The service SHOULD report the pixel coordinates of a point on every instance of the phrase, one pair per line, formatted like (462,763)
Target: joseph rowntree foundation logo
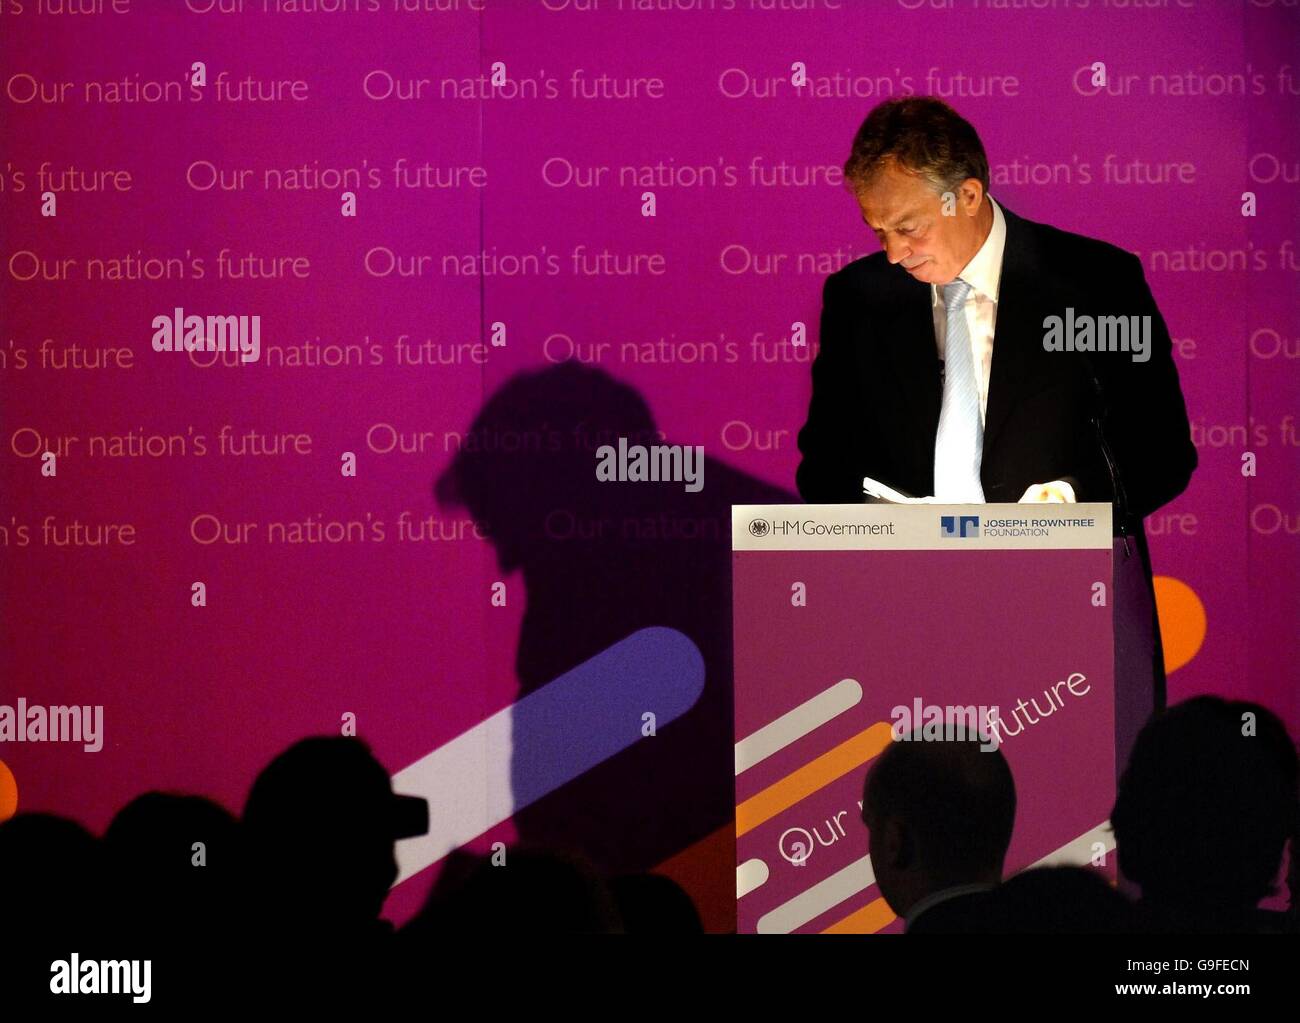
(961,527)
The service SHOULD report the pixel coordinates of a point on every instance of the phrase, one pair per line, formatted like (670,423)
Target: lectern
(857,623)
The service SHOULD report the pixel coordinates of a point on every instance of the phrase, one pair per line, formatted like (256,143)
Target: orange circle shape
(8,792)
(1182,620)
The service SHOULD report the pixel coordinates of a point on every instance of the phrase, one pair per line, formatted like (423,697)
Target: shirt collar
(943,895)
(984,272)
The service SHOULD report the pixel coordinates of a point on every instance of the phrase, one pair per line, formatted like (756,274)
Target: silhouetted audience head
(940,815)
(1204,810)
(654,904)
(53,872)
(176,862)
(320,825)
(523,890)
(1058,900)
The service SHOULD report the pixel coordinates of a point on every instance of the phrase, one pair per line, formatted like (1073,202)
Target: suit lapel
(1014,331)
(915,360)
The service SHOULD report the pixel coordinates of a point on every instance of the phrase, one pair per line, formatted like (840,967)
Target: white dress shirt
(983,273)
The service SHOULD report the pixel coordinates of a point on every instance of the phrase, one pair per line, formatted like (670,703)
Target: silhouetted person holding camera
(320,825)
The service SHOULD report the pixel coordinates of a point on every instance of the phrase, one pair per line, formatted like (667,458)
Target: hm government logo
(759,527)
(961,527)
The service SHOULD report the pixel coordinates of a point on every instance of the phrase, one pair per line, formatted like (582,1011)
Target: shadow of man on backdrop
(601,560)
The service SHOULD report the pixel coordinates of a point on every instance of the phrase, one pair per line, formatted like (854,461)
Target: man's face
(906,214)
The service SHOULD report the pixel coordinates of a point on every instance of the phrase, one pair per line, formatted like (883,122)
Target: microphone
(1101,411)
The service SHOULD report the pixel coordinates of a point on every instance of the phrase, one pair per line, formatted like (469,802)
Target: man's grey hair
(920,134)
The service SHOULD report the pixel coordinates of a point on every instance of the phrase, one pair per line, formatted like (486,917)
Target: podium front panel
(854,623)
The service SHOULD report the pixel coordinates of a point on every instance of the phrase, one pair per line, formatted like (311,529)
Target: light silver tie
(959,443)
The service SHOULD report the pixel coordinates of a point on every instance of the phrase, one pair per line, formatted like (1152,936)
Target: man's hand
(1056,492)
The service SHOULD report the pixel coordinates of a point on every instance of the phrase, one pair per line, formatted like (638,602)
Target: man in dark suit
(939,816)
(940,373)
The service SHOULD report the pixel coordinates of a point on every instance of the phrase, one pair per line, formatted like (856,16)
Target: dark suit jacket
(963,914)
(877,388)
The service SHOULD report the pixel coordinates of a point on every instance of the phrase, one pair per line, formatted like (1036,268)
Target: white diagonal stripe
(1078,852)
(824,895)
(795,724)
(750,875)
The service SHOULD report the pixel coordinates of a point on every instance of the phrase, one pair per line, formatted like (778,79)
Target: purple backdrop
(505,164)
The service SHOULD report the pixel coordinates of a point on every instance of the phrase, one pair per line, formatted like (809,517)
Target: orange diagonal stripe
(867,920)
(803,782)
